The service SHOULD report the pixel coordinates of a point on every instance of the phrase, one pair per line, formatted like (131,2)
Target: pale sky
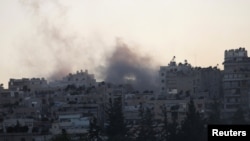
(40,36)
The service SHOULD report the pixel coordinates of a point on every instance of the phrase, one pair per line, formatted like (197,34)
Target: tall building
(184,80)
(176,78)
(180,82)
(207,82)
(236,81)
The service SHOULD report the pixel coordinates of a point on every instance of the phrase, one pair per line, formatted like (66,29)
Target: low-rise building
(12,124)
(72,123)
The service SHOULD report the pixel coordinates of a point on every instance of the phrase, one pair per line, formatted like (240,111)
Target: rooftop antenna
(173,59)
(217,66)
(185,61)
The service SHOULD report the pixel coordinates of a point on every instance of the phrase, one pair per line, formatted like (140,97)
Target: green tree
(116,128)
(146,129)
(193,126)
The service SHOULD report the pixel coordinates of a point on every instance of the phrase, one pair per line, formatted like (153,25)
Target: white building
(78,79)
(71,123)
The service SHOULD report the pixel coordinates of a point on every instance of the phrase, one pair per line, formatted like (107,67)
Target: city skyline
(42,38)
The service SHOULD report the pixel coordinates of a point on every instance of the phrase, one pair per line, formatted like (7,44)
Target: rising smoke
(58,50)
(125,65)
(55,48)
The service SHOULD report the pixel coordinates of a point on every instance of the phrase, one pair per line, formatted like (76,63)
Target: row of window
(236,76)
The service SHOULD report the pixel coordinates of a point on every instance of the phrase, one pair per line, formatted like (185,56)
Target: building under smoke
(125,66)
(78,79)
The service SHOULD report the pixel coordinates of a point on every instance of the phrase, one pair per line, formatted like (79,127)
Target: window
(230,76)
(226,76)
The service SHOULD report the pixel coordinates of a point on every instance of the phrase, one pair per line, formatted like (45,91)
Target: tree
(116,128)
(214,116)
(94,130)
(173,129)
(146,131)
(169,130)
(164,134)
(61,137)
(193,126)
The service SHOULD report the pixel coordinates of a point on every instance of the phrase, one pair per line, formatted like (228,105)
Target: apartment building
(236,81)
(78,79)
(27,84)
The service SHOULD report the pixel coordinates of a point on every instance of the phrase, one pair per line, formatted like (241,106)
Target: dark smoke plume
(58,50)
(125,66)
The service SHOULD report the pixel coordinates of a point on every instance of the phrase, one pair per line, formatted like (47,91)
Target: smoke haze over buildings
(44,38)
(55,49)
(125,65)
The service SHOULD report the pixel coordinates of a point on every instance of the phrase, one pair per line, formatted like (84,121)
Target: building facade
(236,81)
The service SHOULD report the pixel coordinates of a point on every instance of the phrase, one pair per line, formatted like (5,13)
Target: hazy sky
(41,38)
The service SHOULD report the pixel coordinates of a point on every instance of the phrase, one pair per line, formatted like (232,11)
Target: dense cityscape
(77,107)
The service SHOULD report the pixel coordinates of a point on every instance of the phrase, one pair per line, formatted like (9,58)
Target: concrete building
(78,79)
(236,81)
(72,123)
(133,102)
(176,78)
(27,85)
(180,82)
(22,122)
(183,80)
(207,83)
(24,137)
